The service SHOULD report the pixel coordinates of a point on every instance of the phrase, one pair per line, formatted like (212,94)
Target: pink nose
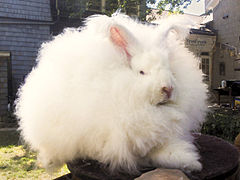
(168,91)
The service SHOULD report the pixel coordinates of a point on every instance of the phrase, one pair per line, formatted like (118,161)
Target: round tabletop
(218,157)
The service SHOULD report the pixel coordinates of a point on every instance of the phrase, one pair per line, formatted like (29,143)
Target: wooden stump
(218,157)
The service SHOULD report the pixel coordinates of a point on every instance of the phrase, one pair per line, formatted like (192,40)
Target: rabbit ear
(177,24)
(179,32)
(123,39)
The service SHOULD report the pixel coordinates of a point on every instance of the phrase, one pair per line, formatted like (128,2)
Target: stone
(237,142)
(163,174)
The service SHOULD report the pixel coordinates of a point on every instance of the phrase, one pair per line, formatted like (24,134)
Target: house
(24,25)
(226,24)
(201,41)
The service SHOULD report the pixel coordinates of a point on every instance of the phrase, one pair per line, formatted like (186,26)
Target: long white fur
(86,99)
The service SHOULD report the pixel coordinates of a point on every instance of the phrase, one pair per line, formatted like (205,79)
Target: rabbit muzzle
(167,91)
(163,96)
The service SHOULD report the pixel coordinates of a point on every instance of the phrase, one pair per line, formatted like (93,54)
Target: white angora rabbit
(118,91)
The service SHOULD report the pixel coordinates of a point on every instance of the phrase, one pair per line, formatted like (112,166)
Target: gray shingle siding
(26,9)
(24,26)
(23,42)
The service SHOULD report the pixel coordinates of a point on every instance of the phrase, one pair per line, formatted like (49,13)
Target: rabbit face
(153,67)
(150,65)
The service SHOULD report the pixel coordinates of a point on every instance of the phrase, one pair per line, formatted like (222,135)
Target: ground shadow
(9,137)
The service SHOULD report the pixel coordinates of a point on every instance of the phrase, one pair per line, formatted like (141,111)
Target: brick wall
(3,86)
(226,20)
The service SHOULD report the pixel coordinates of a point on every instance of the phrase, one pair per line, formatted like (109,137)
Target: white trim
(5,54)
(211,5)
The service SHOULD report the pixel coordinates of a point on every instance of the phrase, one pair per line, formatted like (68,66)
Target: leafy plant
(223,123)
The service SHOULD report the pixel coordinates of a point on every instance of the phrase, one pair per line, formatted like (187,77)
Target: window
(222,68)
(225,16)
(204,53)
(204,65)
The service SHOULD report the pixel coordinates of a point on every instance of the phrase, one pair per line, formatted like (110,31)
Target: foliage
(127,6)
(71,8)
(172,5)
(223,123)
(75,8)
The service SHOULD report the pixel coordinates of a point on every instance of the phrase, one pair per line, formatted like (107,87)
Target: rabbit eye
(141,72)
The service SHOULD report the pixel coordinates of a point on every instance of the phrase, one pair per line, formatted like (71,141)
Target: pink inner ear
(119,40)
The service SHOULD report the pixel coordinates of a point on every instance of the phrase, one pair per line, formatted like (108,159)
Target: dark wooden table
(222,92)
(218,157)
(231,90)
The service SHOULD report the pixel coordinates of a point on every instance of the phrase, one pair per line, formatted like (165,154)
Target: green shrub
(223,123)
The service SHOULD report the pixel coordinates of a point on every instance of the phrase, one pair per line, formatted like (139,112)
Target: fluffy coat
(118,91)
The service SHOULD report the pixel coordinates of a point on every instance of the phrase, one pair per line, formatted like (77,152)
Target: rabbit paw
(193,166)
(178,155)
